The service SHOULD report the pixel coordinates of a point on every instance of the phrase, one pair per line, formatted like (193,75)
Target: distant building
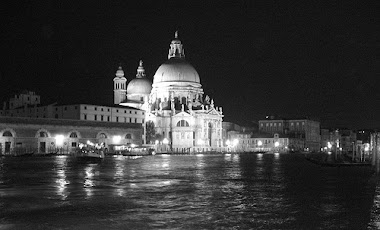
(245,139)
(342,140)
(304,131)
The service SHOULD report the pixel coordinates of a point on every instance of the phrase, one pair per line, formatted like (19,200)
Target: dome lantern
(140,70)
(120,72)
(176,50)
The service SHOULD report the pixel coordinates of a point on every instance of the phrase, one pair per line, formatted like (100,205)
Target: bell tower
(119,86)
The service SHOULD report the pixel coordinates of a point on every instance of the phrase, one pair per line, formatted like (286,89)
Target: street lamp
(259,143)
(276,145)
(116,139)
(235,143)
(59,140)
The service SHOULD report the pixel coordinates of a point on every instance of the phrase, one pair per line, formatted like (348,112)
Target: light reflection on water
(246,191)
(61,180)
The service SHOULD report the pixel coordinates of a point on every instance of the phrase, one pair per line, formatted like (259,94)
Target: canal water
(239,191)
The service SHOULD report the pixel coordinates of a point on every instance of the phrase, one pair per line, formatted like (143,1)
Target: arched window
(182,123)
(43,134)
(73,135)
(102,136)
(128,136)
(183,100)
(7,134)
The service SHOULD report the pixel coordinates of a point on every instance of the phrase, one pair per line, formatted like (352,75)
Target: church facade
(185,119)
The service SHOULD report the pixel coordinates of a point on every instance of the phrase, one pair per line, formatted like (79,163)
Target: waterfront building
(258,142)
(102,118)
(26,107)
(45,135)
(303,131)
(247,139)
(183,117)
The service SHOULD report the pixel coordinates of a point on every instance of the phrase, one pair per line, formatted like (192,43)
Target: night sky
(288,58)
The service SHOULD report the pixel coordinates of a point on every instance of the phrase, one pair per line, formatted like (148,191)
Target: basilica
(185,119)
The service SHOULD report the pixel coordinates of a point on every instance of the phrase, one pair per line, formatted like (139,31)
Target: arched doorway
(8,136)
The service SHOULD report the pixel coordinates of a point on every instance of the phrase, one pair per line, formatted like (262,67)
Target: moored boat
(138,151)
(337,164)
(90,150)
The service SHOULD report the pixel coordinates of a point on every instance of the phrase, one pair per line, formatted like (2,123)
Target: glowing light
(165,141)
(366,148)
(228,142)
(259,143)
(329,153)
(133,145)
(276,144)
(90,143)
(329,145)
(59,140)
(116,139)
(157,142)
(236,142)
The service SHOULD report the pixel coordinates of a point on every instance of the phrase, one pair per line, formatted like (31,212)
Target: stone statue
(207,99)
(161,104)
(203,107)
(183,108)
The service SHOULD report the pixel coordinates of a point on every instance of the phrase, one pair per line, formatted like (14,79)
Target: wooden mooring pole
(375,151)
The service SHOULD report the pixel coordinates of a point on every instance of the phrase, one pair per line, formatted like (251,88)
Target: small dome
(176,70)
(120,72)
(139,86)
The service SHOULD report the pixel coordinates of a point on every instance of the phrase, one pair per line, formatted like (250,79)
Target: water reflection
(227,156)
(89,183)
(61,181)
(245,191)
(165,164)
(119,176)
(236,158)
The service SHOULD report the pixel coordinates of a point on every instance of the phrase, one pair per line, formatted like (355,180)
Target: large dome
(139,86)
(176,70)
